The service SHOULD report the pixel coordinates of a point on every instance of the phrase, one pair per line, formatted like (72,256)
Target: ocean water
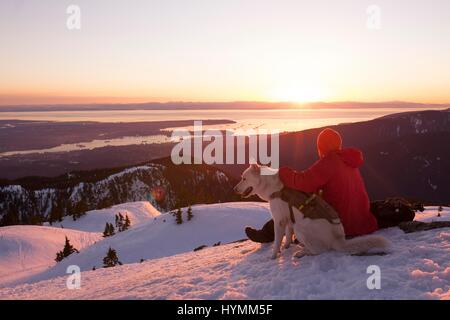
(281,120)
(272,119)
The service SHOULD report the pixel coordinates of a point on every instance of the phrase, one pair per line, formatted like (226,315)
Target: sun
(298,93)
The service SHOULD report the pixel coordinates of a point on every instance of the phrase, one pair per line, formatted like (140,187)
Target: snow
(417,266)
(95,220)
(28,250)
(431,214)
(162,237)
(76,191)
(129,171)
(13,188)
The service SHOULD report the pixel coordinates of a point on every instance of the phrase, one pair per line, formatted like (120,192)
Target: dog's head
(250,180)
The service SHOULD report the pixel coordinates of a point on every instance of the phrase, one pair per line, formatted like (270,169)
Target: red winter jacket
(337,174)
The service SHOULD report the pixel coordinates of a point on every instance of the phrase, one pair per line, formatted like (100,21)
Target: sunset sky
(224,50)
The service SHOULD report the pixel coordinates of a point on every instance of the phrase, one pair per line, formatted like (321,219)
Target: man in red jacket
(337,174)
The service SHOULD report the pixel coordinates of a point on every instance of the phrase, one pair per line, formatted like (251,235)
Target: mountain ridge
(165,185)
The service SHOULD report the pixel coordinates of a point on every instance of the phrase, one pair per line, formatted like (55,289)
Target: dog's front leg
(279,228)
(289,233)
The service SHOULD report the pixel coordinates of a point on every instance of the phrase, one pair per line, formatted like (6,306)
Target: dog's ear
(255,167)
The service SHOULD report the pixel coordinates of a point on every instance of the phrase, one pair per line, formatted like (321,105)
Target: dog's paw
(274,255)
(299,254)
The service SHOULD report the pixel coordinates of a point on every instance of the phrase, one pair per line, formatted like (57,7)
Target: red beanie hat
(327,141)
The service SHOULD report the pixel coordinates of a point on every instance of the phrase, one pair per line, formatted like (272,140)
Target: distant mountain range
(185,105)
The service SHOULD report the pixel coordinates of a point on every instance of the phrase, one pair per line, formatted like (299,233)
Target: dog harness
(311,205)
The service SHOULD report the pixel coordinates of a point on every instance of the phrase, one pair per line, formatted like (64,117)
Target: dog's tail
(363,244)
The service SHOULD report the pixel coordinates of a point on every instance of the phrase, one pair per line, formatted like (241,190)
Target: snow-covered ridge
(19,204)
(418,265)
(45,199)
(77,190)
(414,123)
(95,220)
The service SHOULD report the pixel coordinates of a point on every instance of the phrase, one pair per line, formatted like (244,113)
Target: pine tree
(68,248)
(66,251)
(111,259)
(106,231)
(80,208)
(111,230)
(12,217)
(189,213)
(55,213)
(69,208)
(127,223)
(52,216)
(119,222)
(178,216)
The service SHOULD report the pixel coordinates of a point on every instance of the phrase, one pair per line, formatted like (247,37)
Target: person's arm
(308,180)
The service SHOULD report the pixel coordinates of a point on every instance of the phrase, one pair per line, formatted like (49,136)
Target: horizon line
(291,104)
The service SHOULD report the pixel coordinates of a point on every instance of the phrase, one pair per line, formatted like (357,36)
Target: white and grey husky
(316,235)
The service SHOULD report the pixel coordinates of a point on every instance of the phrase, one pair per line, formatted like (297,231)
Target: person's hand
(285,174)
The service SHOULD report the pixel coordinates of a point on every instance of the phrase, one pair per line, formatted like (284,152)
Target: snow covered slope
(162,237)
(418,266)
(417,269)
(27,250)
(95,220)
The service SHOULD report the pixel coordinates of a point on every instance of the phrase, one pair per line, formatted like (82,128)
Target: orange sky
(289,50)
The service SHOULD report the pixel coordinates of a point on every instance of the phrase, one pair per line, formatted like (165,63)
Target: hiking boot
(258,235)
